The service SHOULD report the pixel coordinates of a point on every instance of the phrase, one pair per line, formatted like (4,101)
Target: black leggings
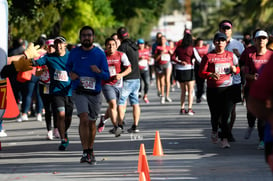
(220,106)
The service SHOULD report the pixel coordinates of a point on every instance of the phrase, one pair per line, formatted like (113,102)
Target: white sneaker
(39,117)
(56,133)
(50,135)
(169,99)
(162,100)
(24,117)
(19,120)
(3,133)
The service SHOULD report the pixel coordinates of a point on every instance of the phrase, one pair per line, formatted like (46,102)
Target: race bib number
(88,83)
(3,94)
(112,70)
(60,75)
(143,63)
(222,68)
(166,57)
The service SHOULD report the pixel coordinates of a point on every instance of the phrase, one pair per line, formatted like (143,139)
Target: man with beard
(60,87)
(88,66)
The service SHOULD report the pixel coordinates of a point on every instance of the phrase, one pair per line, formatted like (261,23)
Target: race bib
(143,63)
(112,70)
(46,89)
(3,94)
(60,75)
(222,68)
(88,83)
(166,57)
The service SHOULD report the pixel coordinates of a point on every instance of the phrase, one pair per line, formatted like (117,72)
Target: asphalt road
(188,152)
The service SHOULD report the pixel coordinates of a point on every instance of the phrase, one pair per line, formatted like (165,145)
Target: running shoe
(56,133)
(63,145)
(3,133)
(182,111)
(225,144)
(162,100)
(248,133)
(85,158)
(101,125)
(112,131)
(146,100)
(198,100)
(50,135)
(168,99)
(133,130)
(261,145)
(118,131)
(92,159)
(190,112)
(39,117)
(24,117)
(214,137)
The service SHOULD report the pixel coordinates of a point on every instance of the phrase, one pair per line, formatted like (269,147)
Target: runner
(183,56)
(60,87)
(253,62)
(143,64)
(119,66)
(217,67)
(87,66)
(164,69)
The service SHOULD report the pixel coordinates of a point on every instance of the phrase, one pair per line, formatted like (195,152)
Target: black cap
(122,32)
(219,35)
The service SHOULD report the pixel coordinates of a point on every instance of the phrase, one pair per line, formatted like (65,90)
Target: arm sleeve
(196,55)
(203,68)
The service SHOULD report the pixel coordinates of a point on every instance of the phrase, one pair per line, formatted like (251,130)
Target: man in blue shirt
(88,66)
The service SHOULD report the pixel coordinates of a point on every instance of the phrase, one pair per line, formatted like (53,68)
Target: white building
(172,26)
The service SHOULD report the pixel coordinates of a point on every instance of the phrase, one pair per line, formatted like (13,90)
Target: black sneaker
(133,130)
(85,158)
(63,145)
(113,130)
(92,159)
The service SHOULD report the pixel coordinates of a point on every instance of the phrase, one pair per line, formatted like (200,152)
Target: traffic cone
(142,176)
(158,151)
(145,168)
(141,152)
(12,110)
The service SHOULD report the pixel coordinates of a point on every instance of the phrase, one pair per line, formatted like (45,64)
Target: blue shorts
(130,89)
(111,92)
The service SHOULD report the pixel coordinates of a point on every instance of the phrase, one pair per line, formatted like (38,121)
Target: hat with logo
(261,33)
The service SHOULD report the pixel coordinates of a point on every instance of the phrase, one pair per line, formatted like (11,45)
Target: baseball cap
(60,38)
(122,32)
(140,41)
(50,42)
(219,35)
(261,33)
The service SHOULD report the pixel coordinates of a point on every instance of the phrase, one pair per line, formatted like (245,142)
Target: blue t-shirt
(80,62)
(60,82)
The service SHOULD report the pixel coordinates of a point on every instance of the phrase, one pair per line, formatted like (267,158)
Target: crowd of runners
(64,76)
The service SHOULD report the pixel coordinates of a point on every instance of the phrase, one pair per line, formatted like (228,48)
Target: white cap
(261,33)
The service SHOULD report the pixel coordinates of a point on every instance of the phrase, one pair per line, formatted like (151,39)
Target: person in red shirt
(217,67)
(183,56)
(164,69)
(253,62)
(111,88)
(143,64)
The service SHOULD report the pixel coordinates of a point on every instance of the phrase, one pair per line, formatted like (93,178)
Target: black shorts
(185,75)
(62,103)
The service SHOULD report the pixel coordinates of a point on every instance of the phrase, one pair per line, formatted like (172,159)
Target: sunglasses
(226,28)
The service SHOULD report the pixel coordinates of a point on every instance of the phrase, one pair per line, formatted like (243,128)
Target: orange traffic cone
(142,176)
(12,110)
(141,152)
(145,168)
(158,151)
